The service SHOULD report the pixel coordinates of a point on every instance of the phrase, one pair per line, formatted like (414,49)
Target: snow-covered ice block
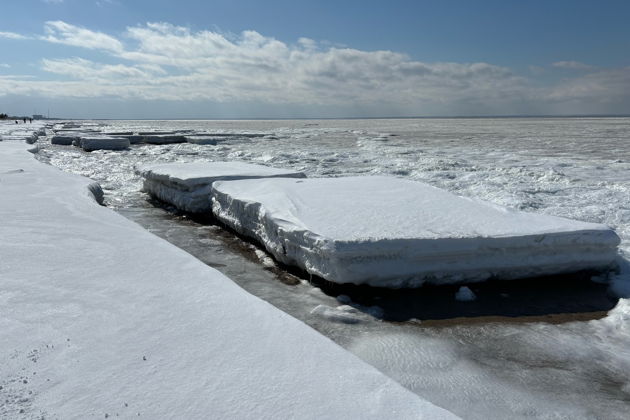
(199,139)
(64,140)
(133,138)
(90,144)
(391,232)
(164,139)
(187,185)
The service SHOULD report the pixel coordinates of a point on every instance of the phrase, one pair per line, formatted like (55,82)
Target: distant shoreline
(463,117)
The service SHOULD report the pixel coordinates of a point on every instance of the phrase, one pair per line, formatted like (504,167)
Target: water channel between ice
(542,349)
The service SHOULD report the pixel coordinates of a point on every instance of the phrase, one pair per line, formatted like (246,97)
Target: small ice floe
(343,314)
(63,140)
(464,294)
(345,299)
(264,258)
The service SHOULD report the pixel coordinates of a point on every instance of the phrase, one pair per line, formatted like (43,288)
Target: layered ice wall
(385,231)
(187,185)
(99,318)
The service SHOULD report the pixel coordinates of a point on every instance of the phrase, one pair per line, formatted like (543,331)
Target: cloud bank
(163,62)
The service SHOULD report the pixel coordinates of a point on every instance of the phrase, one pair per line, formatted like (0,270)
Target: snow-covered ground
(548,366)
(99,318)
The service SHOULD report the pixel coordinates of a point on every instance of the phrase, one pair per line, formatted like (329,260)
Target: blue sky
(239,59)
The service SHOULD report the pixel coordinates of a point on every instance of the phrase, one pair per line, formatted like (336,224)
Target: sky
(293,59)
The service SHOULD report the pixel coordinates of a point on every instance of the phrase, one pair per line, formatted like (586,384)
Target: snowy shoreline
(532,369)
(101,317)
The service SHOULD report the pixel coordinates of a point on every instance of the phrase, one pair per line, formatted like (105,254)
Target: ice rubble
(137,326)
(391,232)
(187,185)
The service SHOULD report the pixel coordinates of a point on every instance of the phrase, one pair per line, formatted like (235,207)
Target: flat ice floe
(92,143)
(392,232)
(164,138)
(188,185)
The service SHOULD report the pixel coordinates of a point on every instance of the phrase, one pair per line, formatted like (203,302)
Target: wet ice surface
(561,358)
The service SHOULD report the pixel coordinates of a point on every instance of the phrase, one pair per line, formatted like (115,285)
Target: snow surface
(99,318)
(386,231)
(188,185)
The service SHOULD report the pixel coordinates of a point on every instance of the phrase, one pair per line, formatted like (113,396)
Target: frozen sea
(550,348)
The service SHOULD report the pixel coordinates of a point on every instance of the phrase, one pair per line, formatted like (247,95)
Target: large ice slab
(392,232)
(137,327)
(204,139)
(90,144)
(164,138)
(187,185)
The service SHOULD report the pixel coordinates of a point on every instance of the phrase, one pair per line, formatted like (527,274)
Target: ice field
(574,363)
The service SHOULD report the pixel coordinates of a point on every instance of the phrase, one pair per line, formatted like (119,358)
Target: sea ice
(187,185)
(90,144)
(197,139)
(464,294)
(385,231)
(64,140)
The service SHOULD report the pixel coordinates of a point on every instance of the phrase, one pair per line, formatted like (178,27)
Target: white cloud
(161,61)
(12,35)
(5,66)
(64,33)
(572,65)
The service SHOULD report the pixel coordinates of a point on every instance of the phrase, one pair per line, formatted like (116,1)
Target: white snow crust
(99,318)
(188,185)
(386,231)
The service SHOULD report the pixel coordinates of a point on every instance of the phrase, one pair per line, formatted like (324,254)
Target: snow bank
(138,327)
(187,185)
(392,232)
(90,144)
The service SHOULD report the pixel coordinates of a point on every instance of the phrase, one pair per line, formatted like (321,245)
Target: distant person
(16,121)
(24,119)
(30,121)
